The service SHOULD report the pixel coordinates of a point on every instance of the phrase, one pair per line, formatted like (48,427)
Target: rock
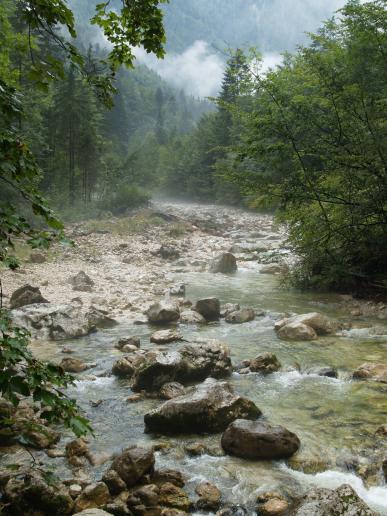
(128,348)
(133,463)
(381,431)
(39,435)
(318,322)
(72,365)
(93,496)
(114,482)
(342,501)
(195,449)
(384,469)
(93,512)
(209,308)
(148,495)
(224,263)
(128,341)
(272,504)
(330,372)
(177,290)
(193,362)
(163,313)
(81,282)
(296,331)
(209,407)
(171,390)
(165,336)
(168,252)
(75,490)
(265,363)
(241,316)
(228,308)
(98,318)
(259,440)
(52,322)
(210,496)
(172,476)
(26,295)
(30,495)
(77,448)
(37,257)
(191,317)
(371,371)
(173,496)
(123,368)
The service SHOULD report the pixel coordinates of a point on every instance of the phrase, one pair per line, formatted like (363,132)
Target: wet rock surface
(259,440)
(210,407)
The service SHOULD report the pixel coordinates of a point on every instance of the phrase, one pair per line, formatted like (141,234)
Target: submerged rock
(209,407)
(330,372)
(342,501)
(224,263)
(241,316)
(209,308)
(165,336)
(163,313)
(370,371)
(128,341)
(259,440)
(26,295)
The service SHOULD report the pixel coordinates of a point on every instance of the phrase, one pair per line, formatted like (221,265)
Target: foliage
(21,375)
(33,54)
(314,141)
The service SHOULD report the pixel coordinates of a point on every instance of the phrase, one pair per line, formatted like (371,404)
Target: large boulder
(370,371)
(304,326)
(209,308)
(209,407)
(81,282)
(259,440)
(193,362)
(342,501)
(224,263)
(133,463)
(52,321)
(26,295)
(163,312)
(241,316)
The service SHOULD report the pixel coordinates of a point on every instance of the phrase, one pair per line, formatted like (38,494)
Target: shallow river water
(335,418)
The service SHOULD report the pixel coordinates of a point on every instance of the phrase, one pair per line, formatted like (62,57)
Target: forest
(171,261)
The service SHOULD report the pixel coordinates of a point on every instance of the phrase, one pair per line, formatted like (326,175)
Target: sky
(278,25)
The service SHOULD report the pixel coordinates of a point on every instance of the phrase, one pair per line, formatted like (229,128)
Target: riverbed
(335,418)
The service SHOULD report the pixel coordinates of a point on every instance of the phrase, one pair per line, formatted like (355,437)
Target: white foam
(375,497)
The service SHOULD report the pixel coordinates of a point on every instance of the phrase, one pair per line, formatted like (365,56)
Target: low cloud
(197,70)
